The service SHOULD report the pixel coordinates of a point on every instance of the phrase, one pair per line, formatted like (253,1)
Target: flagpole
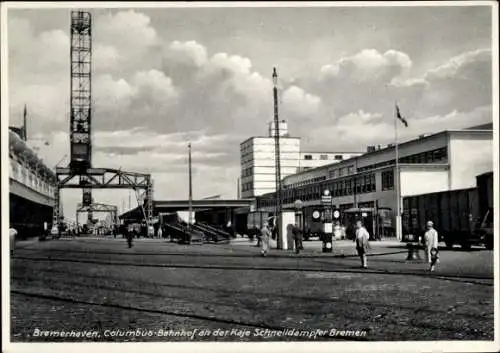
(396,179)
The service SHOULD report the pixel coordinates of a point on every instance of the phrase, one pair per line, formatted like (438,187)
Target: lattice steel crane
(80,174)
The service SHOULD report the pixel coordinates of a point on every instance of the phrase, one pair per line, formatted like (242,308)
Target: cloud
(368,65)
(461,65)
(123,42)
(300,103)
(110,93)
(462,83)
(356,131)
(125,29)
(45,53)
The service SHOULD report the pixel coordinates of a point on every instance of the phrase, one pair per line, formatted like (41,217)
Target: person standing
(129,236)
(12,236)
(265,234)
(298,238)
(431,245)
(362,242)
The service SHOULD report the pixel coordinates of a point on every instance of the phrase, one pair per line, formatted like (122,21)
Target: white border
(410,346)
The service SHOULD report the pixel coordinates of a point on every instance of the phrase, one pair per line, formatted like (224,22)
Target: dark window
(428,157)
(364,183)
(308,157)
(349,186)
(339,157)
(388,180)
(372,181)
(358,185)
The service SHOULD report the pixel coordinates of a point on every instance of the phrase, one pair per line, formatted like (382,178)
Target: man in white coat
(431,242)
(362,242)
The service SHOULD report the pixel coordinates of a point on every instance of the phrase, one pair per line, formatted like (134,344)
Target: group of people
(361,239)
(270,231)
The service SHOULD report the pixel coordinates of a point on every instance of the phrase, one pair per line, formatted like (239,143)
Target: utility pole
(397,181)
(277,159)
(190,189)
(238,192)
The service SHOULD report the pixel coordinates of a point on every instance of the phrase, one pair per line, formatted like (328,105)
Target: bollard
(327,242)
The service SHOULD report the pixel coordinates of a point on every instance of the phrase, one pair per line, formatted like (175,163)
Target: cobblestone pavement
(161,291)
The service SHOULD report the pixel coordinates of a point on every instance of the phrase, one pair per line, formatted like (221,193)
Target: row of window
(247,172)
(305,182)
(247,157)
(439,155)
(340,172)
(20,173)
(246,186)
(337,157)
(355,186)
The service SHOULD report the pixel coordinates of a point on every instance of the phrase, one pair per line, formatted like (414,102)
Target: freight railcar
(459,216)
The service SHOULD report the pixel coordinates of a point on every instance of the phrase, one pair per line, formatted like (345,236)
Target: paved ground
(160,291)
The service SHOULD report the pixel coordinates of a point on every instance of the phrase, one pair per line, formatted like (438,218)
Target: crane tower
(80,173)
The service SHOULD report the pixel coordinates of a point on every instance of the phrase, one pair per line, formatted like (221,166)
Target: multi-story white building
(258,165)
(444,161)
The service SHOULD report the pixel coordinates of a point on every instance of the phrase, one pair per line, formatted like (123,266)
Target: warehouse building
(447,160)
(258,166)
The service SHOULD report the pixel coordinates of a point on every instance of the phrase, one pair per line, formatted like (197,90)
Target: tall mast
(277,156)
(190,188)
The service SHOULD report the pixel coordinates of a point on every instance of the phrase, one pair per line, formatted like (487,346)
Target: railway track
(470,279)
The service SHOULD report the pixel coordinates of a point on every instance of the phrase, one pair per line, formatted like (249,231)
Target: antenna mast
(277,158)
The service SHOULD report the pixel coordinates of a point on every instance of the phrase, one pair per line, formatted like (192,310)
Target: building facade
(310,160)
(448,160)
(258,165)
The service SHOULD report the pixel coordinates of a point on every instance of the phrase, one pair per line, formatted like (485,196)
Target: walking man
(265,234)
(298,237)
(129,237)
(362,244)
(431,245)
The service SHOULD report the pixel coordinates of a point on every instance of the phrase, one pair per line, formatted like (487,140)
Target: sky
(163,77)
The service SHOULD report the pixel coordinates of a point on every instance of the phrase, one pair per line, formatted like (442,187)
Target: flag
(398,115)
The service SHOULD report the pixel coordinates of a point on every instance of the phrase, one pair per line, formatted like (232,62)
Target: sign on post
(326,198)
